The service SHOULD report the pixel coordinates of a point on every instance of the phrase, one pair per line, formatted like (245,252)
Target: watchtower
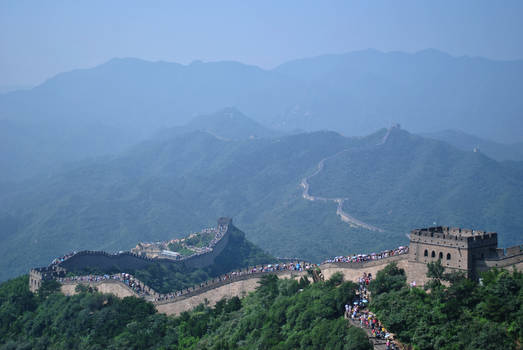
(224,221)
(40,274)
(458,249)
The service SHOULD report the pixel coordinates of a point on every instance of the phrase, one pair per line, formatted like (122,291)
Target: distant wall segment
(207,259)
(127,261)
(104,261)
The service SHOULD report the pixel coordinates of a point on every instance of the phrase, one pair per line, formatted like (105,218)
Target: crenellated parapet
(454,237)
(465,250)
(38,275)
(127,261)
(130,261)
(469,251)
(363,265)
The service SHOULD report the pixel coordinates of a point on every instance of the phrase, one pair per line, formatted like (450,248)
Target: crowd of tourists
(218,235)
(293,266)
(368,257)
(220,231)
(63,258)
(358,313)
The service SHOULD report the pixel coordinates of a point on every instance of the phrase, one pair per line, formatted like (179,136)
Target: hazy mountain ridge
(411,181)
(227,123)
(168,186)
(467,142)
(115,202)
(422,91)
(125,101)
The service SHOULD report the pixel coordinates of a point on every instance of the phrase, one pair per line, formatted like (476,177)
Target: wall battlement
(125,261)
(458,249)
(454,236)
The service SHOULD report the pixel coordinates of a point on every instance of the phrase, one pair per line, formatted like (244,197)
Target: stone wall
(461,250)
(238,287)
(515,250)
(416,272)
(117,288)
(35,280)
(366,264)
(105,262)
(244,284)
(206,259)
(503,262)
(353,271)
(458,249)
(128,261)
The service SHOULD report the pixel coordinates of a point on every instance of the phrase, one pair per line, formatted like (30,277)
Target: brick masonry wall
(128,261)
(113,287)
(352,272)
(203,260)
(238,288)
(244,284)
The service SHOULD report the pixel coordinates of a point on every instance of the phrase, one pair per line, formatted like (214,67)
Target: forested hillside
(169,186)
(413,182)
(495,150)
(452,312)
(281,314)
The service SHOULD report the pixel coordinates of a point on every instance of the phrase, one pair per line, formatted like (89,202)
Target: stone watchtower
(458,249)
(41,274)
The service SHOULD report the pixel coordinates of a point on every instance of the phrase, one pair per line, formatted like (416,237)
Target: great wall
(458,249)
(344,216)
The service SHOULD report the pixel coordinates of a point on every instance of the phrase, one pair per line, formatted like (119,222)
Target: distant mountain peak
(433,52)
(227,123)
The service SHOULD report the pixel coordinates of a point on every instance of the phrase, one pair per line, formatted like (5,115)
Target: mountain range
(106,109)
(468,142)
(180,180)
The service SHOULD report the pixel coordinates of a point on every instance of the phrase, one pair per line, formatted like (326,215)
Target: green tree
(390,278)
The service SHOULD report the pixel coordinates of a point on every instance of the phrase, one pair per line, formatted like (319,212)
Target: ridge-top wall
(206,259)
(111,287)
(353,271)
(103,261)
(127,261)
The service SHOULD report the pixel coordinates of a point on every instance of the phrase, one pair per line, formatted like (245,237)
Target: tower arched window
(426,253)
(433,254)
(440,255)
(448,256)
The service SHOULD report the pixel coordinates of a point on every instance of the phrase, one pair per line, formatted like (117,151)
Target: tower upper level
(454,237)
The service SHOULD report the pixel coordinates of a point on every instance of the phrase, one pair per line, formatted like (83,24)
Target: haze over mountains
(133,151)
(105,109)
(467,142)
(180,181)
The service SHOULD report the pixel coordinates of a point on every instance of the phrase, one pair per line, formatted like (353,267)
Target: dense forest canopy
(452,312)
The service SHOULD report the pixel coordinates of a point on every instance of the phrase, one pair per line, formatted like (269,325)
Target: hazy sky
(41,38)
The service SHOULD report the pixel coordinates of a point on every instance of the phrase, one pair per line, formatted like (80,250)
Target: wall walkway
(238,284)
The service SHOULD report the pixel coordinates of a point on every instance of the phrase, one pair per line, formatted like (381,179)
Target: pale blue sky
(41,38)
